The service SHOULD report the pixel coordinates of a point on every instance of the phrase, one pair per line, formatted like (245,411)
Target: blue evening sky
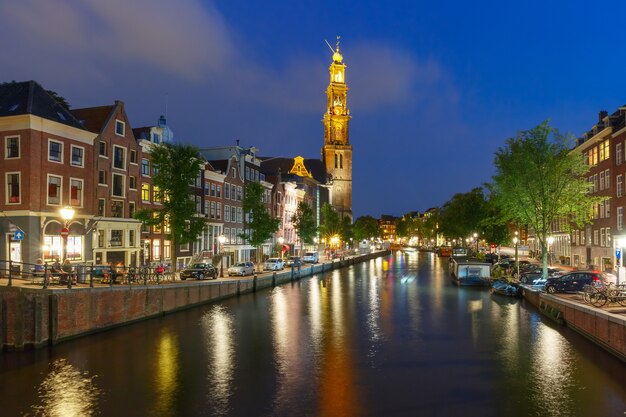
(435,87)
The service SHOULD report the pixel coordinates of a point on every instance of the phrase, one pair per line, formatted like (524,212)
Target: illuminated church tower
(337,151)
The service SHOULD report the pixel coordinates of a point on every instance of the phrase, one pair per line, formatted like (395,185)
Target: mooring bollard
(274,279)
(254,283)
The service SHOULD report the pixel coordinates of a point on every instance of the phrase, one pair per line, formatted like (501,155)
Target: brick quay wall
(35,317)
(605,328)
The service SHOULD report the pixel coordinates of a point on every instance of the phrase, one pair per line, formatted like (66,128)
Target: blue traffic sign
(18,235)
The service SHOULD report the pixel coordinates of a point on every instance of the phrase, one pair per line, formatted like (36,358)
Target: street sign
(18,235)
(618,255)
(65,232)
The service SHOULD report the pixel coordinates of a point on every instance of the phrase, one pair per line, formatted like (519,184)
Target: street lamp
(221,239)
(476,239)
(515,240)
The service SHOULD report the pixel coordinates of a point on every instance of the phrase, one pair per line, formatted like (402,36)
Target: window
(226,213)
(618,186)
(119,157)
(219,211)
(595,237)
(13,188)
(76,192)
(103,149)
(227,234)
(607,179)
(601,210)
(117,208)
(145,167)
(55,151)
(167,249)
(12,149)
(157,197)
(607,208)
(595,182)
(233,214)
(156,228)
(102,177)
(54,189)
(131,238)
(101,204)
(212,209)
(156,249)
(594,156)
(602,237)
(132,182)
(133,156)
(618,154)
(620,218)
(184,247)
(156,138)
(118,185)
(206,208)
(239,215)
(145,192)
(120,127)
(239,193)
(131,209)
(607,149)
(233,192)
(227,191)
(78,156)
(341,161)
(601,180)
(247,175)
(212,190)
(219,191)
(117,237)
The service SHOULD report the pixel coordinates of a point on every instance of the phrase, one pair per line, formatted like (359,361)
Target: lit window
(76,192)
(54,190)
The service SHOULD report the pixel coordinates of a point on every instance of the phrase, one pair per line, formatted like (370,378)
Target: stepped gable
(271,165)
(28,97)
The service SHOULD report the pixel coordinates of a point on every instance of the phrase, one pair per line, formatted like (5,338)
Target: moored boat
(470,271)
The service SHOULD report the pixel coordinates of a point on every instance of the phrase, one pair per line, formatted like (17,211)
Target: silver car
(241,269)
(274,264)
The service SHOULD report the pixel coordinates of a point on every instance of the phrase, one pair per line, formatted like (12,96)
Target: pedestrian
(66,272)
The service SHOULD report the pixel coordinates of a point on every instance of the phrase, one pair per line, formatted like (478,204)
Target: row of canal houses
(600,244)
(93,160)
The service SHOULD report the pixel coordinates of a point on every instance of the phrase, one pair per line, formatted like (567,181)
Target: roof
(142,132)
(28,97)
(94,118)
(271,165)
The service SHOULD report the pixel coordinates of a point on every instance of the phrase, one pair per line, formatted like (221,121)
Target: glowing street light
(221,239)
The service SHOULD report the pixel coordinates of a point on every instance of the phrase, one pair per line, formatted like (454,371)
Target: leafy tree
(304,223)
(539,180)
(260,225)
(494,225)
(59,99)
(331,222)
(365,227)
(462,215)
(175,167)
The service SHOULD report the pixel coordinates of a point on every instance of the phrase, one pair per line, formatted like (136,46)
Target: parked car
(199,270)
(574,281)
(241,269)
(537,274)
(311,257)
(294,261)
(274,264)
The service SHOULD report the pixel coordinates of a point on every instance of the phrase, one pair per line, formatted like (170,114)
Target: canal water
(390,337)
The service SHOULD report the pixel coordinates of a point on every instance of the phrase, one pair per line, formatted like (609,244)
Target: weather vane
(330,47)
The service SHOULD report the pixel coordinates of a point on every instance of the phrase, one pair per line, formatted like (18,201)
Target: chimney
(602,115)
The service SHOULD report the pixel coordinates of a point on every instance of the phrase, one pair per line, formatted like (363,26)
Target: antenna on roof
(331,48)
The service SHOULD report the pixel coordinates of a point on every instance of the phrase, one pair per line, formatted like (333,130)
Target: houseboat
(470,271)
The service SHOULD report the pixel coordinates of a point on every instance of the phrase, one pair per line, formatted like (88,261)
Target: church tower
(337,151)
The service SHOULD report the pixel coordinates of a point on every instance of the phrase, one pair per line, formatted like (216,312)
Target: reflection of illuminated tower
(337,151)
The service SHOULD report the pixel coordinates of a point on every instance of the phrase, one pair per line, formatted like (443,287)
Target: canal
(389,337)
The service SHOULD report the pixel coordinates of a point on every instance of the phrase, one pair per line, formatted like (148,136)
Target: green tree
(539,180)
(260,225)
(462,215)
(331,223)
(365,227)
(304,223)
(175,167)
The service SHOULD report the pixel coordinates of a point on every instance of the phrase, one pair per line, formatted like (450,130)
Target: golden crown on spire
(337,57)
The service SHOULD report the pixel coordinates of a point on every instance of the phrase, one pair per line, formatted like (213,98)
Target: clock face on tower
(337,110)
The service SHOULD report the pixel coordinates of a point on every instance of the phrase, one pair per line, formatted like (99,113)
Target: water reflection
(217,326)
(166,373)
(67,392)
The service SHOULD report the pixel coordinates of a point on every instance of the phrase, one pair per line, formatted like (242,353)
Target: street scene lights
(515,240)
(221,239)
(281,240)
(476,239)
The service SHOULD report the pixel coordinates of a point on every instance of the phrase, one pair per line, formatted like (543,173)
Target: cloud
(185,38)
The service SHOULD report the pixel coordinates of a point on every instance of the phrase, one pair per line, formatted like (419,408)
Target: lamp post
(221,239)
(281,240)
(550,242)
(67,214)
(476,239)
(515,240)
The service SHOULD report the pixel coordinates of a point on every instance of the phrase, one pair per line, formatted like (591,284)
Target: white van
(311,257)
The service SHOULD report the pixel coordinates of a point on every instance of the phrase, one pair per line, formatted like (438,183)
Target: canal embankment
(37,317)
(605,328)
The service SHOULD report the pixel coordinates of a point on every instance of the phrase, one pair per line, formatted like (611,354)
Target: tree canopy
(175,167)
(539,181)
(304,223)
(260,225)
(365,227)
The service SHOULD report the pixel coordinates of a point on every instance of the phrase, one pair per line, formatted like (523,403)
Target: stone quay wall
(35,317)
(606,329)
